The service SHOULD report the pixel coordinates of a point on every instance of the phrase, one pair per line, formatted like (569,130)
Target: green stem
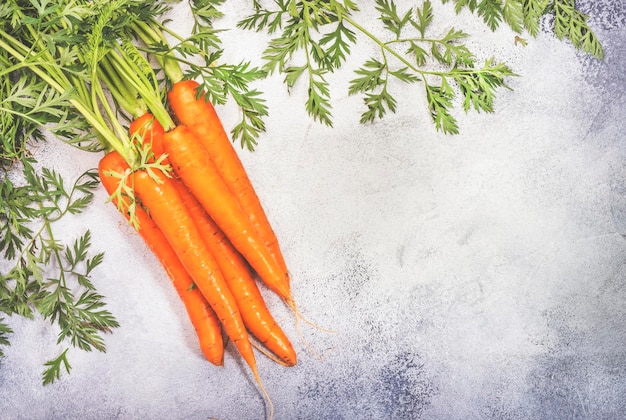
(136,81)
(126,96)
(429,40)
(58,74)
(56,252)
(100,97)
(44,71)
(384,46)
(152,33)
(10,68)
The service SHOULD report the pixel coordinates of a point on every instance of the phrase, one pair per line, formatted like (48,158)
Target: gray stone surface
(478,276)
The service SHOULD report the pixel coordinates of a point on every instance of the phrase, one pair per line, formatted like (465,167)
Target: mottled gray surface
(481,276)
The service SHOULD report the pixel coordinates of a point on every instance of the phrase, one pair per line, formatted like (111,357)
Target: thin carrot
(193,164)
(202,317)
(254,312)
(159,195)
(193,110)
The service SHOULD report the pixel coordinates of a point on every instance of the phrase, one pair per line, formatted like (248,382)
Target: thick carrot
(202,317)
(193,164)
(254,312)
(193,110)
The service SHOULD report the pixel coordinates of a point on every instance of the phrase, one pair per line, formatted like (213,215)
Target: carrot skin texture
(173,218)
(149,131)
(194,166)
(199,115)
(201,315)
(254,312)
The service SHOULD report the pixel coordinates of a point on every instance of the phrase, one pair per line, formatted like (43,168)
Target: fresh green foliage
(44,275)
(15,131)
(569,22)
(44,87)
(495,12)
(53,368)
(5,330)
(423,59)
(26,105)
(301,50)
(41,274)
(314,38)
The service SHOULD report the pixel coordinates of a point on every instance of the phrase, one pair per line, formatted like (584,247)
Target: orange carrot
(149,131)
(193,110)
(202,317)
(193,164)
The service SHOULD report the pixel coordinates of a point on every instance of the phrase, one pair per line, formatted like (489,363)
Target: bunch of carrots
(207,227)
(175,175)
(193,203)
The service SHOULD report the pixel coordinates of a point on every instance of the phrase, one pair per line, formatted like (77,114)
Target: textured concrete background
(480,276)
